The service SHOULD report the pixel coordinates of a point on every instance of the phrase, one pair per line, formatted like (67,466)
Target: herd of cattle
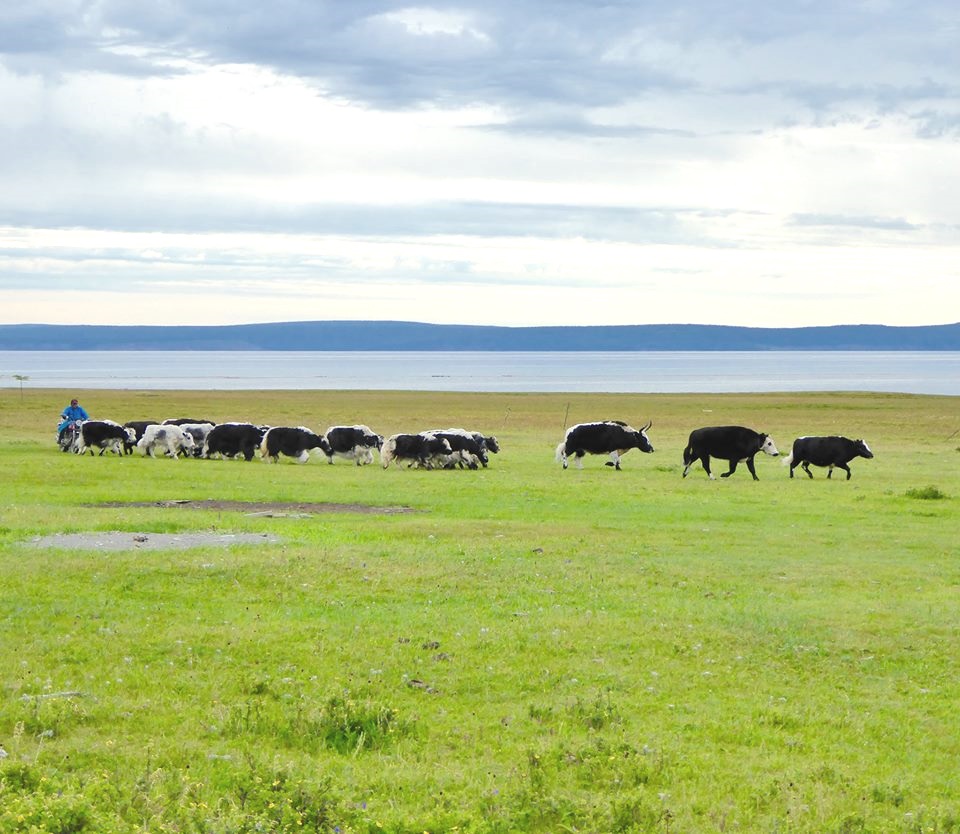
(442,448)
(734,444)
(439,448)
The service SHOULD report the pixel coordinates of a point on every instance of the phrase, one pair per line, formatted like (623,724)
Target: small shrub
(18,777)
(347,725)
(596,714)
(927,493)
(52,812)
(343,724)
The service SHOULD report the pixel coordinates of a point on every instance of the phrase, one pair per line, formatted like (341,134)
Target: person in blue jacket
(72,412)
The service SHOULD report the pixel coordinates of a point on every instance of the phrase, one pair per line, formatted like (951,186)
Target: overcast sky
(757,163)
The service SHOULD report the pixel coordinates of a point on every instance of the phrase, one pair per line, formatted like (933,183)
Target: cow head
(188,444)
(643,442)
(862,448)
(767,445)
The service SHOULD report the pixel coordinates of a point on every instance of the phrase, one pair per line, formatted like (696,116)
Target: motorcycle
(68,436)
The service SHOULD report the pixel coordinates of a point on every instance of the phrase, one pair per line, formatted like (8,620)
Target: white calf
(171,439)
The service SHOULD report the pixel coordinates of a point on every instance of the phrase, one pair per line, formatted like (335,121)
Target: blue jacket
(71,413)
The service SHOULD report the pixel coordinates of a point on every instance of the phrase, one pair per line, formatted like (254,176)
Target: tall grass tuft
(927,493)
(345,724)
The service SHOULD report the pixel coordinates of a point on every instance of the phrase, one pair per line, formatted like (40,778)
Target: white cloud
(566,163)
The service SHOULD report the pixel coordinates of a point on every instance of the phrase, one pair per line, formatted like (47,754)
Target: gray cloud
(572,52)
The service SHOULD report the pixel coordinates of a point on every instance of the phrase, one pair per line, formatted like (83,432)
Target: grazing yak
(104,435)
(419,449)
(294,442)
(608,437)
(355,443)
(826,451)
(139,427)
(730,443)
(171,440)
(468,449)
(234,439)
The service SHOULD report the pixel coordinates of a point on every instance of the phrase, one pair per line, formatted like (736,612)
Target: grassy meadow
(528,650)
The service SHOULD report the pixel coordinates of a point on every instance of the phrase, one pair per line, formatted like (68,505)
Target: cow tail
(264,455)
(560,451)
(788,460)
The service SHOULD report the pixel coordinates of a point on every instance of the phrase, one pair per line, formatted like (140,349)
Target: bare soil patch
(265,508)
(116,540)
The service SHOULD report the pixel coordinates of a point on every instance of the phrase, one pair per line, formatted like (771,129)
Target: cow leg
(303,457)
(830,470)
(733,468)
(579,457)
(752,470)
(614,461)
(846,469)
(806,468)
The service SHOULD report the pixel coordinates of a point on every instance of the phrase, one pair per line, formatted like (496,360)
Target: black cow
(353,442)
(729,443)
(826,451)
(292,442)
(419,449)
(608,437)
(139,427)
(232,439)
(103,435)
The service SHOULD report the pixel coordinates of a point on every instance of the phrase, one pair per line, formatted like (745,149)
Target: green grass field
(530,649)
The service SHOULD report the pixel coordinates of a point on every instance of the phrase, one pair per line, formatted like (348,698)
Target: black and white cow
(198,431)
(467,449)
(139,427)
(490,442)
(104,435)
(292,442)
(420,449)
(234,439)
(607,437)
(729,443)
(826,451)
(353,442)
(171,440)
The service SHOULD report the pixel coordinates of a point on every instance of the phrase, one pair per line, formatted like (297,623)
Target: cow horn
(647,426)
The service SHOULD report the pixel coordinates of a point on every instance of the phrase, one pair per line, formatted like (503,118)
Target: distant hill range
(399,335)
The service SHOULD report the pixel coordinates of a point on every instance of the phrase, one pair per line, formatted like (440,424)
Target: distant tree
(21,378)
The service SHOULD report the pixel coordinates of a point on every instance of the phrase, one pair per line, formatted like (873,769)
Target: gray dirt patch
(263,507)
(116,540)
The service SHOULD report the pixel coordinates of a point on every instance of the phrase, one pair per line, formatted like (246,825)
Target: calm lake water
(647,372)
